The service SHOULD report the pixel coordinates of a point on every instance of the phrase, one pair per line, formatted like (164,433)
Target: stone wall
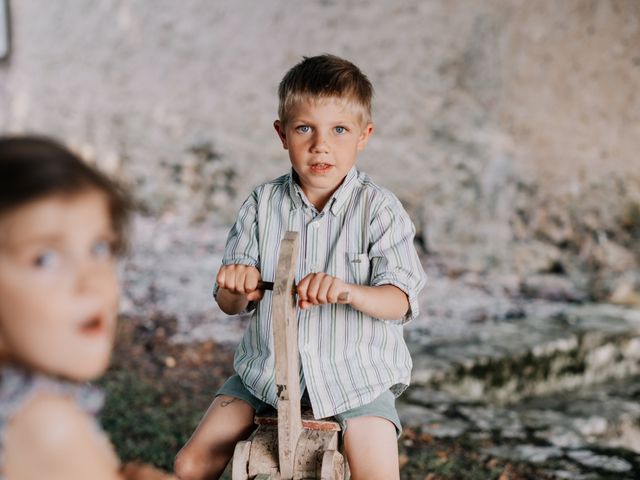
(485,112)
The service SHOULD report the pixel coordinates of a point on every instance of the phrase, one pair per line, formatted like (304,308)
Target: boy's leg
(371,446)
(205,456)
(370,438)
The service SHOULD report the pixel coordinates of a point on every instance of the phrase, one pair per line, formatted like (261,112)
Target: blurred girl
(61,227)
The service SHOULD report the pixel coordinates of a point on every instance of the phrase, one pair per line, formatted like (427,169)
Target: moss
(630,219)
(499,373)
(525,370)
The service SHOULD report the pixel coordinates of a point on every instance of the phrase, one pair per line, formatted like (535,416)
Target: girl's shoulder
(48,419)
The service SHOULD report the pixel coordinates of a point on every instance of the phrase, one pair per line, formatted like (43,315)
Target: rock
(416,415)
(604,462)
(563,436)
(612,256)
(527,453)
(626,290)
(450,429)
(554,225)
(532,256)
(555,288)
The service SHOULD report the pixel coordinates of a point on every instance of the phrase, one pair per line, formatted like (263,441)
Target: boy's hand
(320,289)
(240,280)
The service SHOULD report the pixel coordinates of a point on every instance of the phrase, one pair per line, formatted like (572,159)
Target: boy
(355,237)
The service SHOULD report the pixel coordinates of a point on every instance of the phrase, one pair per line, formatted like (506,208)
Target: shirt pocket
(358,268)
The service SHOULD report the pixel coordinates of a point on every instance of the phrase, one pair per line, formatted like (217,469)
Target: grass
(144,421)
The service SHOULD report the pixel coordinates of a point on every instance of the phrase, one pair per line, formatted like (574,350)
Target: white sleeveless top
(18,386)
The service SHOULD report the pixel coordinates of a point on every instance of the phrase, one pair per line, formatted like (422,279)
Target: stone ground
(587,434)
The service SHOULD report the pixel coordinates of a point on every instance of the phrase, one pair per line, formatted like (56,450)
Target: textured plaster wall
(179,97)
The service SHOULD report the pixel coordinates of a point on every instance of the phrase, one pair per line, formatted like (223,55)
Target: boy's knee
(371,448)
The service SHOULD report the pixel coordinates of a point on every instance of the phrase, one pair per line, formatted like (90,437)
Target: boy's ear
(281,133)
(366,133)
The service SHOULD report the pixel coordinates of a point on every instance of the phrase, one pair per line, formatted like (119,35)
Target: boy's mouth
(320,167)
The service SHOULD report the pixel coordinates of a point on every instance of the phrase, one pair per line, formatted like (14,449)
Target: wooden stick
(285,342)
(343,297)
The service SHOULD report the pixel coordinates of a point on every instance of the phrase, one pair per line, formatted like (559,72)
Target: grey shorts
(384,406)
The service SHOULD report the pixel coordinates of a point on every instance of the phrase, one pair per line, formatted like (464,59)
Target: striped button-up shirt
(363,236)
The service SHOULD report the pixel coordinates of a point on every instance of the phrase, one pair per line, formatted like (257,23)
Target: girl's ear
(281,133)
(364,136)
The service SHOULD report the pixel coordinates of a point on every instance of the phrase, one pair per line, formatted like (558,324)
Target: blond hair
(324,77)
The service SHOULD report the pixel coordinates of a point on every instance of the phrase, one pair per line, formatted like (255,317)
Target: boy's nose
(319,144)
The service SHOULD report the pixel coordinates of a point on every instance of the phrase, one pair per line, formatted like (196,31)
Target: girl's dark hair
(32,167)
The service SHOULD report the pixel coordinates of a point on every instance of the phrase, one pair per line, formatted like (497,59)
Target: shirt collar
(340,197)
(298,198)
(337,200)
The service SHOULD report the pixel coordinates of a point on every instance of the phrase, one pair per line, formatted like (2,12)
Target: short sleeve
(394,260)
(242,243)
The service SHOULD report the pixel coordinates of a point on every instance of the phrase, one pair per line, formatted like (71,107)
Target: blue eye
(340,130)
(47,259)
(303,129)
(102,250)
